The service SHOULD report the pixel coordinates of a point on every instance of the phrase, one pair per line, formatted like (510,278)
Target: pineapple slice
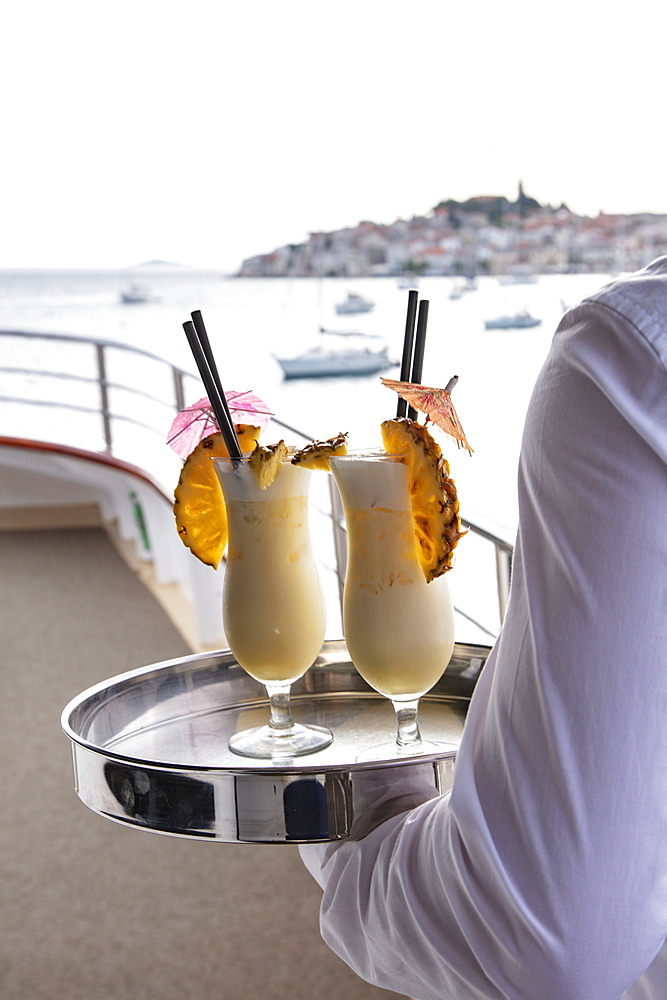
(316,455)
(199,507)
(265,462)
(433,500)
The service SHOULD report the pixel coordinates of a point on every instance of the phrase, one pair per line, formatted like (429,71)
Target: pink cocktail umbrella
(197,421)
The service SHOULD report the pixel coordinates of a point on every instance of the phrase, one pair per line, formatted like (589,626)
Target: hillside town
(487,234)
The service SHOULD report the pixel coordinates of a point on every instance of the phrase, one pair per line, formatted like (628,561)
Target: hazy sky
(206,131)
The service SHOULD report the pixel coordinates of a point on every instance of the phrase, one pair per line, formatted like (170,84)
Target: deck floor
(91,910)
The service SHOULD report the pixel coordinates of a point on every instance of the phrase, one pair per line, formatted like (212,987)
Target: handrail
(75,338)
(503,549)
(100,345)
(84,378)
(504,553)
(499,542)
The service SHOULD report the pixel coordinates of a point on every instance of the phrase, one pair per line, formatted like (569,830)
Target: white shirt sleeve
(543,876)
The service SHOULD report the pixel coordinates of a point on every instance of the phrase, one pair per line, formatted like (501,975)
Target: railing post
(179,392)
(104,397)
(504,576)
(340,536)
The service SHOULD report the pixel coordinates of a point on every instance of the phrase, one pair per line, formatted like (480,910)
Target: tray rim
(295,766)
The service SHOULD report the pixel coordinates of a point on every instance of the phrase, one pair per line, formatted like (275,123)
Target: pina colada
(273,607)
(399,629)
(403,522)
(274,612)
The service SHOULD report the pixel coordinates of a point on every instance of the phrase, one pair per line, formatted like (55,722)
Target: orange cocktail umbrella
(435,403)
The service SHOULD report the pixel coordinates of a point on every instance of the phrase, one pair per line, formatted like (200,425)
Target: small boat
(520,321)
(408,281)
(354,303)
(327,362)
(135,295)
(469,285)
(518,278)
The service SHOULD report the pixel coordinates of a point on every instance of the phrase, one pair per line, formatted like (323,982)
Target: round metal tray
(150,747)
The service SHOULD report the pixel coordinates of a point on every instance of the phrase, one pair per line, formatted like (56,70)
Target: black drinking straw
(198,321)
(215,398)
(418,358)
(408,339)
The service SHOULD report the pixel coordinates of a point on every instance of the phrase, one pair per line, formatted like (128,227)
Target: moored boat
(370,355)
(321,363)
(518,277)
(469,285)
(135,295)
(354,303)
(519,321)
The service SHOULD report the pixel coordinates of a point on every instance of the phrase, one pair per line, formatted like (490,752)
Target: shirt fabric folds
(543,874)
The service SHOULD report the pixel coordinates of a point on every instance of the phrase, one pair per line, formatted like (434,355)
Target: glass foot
(394,751)
(269,743)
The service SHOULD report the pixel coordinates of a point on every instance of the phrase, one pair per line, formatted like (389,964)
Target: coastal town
(488,234)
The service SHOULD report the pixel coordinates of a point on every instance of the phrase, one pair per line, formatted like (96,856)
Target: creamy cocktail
(399,629)
(274,612)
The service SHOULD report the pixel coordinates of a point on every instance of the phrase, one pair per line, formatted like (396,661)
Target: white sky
(205,131)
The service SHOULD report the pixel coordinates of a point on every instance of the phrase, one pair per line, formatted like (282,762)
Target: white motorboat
(135,295)
(469,285)
(354,303)
(518,277)
(519,321)
(367,358)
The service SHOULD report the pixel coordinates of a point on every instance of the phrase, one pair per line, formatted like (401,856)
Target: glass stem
(408,729)
(281,713)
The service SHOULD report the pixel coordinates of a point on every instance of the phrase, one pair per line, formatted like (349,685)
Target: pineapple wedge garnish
(316,455)
(433,499)
(199,507)
(265,461)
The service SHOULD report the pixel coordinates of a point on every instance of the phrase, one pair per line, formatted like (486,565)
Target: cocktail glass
(273,607)
(399,629)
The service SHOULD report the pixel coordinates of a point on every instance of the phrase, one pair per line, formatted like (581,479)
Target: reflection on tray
(161,801)
(306,810)
(299,809)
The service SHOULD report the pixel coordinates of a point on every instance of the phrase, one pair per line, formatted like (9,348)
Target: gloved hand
(379,794)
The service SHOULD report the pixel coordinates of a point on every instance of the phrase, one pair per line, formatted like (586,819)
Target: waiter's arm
(543,876)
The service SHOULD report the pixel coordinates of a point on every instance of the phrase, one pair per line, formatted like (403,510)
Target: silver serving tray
(150,747)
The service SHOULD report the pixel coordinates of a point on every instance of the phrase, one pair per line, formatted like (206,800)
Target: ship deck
(93,910)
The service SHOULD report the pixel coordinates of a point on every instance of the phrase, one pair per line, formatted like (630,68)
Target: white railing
(100,379)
